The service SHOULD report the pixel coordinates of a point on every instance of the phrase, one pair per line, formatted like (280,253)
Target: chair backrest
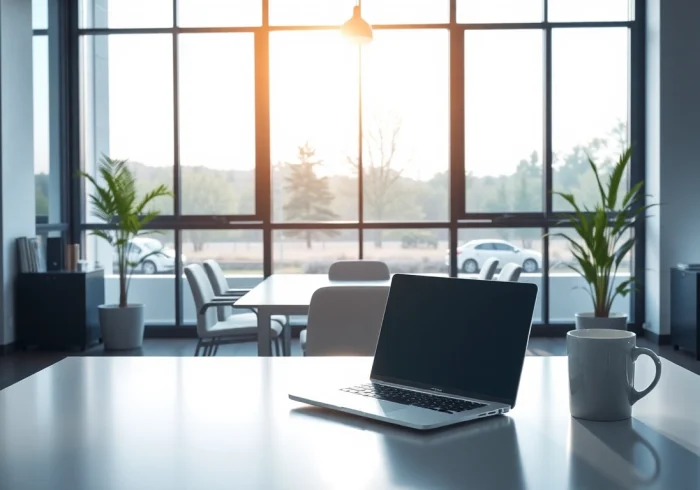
(203,293)
(510,272)
(219,284)
(358,270)
(345,320)
(488,269)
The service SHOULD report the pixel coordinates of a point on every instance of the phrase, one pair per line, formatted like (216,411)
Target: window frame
(458,218)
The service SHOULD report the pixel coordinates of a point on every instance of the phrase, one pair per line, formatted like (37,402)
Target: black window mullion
(457,171)
(177,181)
(263,163)
(637,128)
(548,161)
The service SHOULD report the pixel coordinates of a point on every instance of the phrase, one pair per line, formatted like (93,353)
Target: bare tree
(380,172)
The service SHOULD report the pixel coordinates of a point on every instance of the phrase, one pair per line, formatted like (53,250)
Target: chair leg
(199,346)
(281,340)
(216,347)
(277,347)
(208,348)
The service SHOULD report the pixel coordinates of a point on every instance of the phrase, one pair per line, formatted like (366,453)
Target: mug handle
(635,395)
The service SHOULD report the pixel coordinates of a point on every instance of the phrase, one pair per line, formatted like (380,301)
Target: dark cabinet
(685,286)
(59,309)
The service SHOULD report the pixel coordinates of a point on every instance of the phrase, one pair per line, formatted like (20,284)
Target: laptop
(449,350)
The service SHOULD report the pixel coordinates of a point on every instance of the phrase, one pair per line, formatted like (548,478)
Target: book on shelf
(30,255)
(37,255)
(22,256)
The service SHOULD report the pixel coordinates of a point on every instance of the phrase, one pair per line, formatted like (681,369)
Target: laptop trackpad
(371,405)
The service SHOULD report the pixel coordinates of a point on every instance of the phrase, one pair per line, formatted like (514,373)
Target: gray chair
(358,270)
(213,332)
(353,270)
(345,320)
(218,281)
(488,269)
(510,272)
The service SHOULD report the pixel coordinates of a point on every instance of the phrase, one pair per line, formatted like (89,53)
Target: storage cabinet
(685,287)
(59,309)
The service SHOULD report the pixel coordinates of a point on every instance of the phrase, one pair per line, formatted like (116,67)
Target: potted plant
(114,200)
(601,241)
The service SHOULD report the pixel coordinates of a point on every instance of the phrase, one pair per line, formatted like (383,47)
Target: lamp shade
(357,28)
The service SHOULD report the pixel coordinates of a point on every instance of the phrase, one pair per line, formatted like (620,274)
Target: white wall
(17,209)
(672,148)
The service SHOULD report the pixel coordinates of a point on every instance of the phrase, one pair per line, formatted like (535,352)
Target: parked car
(156,263)
(419,239)
(472,254)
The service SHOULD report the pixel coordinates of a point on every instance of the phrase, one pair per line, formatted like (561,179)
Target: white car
(471,255)
(164,261)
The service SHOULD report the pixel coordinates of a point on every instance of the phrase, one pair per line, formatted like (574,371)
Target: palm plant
(114,200)
(602,240)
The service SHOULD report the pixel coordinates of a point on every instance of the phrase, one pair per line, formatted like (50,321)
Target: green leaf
(616,178)
(603,197)
(114,200)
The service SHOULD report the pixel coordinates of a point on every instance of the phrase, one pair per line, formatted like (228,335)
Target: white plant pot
(616,321)
(122,328)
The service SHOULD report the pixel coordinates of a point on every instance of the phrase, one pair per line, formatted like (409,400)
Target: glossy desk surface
(226,423)
(293,290)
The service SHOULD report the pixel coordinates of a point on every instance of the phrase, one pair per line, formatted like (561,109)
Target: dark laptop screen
(462,336)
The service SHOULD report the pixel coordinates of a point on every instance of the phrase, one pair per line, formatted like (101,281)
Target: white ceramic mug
(601,373)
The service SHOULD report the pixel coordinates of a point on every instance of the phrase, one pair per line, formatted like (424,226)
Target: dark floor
(19,365)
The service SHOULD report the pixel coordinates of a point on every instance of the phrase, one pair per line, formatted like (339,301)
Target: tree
(309,196)
(381,177)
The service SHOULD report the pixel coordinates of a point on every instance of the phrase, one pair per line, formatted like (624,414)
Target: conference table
(219,423)
(287,294)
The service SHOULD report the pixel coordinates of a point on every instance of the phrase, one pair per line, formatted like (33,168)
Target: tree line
(301,193)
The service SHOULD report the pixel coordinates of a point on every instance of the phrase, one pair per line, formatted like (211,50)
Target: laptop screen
(461,336)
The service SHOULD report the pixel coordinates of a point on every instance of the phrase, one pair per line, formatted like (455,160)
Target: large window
(504,92)
(287,147)
(217,130)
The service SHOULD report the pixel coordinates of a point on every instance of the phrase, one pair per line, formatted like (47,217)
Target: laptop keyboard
(413,398)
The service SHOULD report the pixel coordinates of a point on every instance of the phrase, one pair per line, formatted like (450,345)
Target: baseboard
(8,349)
(170,332)
(659,339)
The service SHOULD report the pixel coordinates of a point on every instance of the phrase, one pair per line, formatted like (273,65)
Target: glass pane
(567,290)
(46,195)
(498,11)
(406,11)
(418,251)
(406,122)
(127,116)
(314,126)
(217,123)
(589,10)
(152,282)
(40,14)
(125,13)
(525,249)
(589,111)
(311,251)
(238,252)
(503,120)
(310,12)
(219,13)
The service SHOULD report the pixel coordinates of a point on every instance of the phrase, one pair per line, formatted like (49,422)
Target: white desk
(287,294)
(127,423)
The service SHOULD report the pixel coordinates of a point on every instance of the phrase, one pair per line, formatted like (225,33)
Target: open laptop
(449,350)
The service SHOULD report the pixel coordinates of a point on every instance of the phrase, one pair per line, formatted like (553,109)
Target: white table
(287,294)
(221,423)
